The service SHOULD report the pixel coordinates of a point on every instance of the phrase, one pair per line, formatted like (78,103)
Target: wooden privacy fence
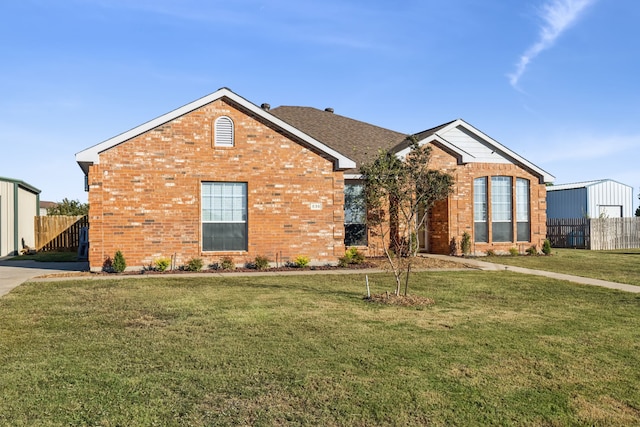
(58,232)
(615,233)
(594,233)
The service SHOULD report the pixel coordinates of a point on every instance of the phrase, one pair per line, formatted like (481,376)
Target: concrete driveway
(14,273)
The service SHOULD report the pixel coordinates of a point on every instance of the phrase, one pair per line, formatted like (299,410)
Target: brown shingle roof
(357,140)
(420,136)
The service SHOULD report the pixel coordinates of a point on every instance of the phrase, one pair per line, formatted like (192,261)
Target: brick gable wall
(449,219)
(145,193)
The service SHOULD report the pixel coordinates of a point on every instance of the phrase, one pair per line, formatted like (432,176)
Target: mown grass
(48,257)
(622,266)
(497,348)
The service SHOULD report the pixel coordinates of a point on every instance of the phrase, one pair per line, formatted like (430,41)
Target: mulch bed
(420,263)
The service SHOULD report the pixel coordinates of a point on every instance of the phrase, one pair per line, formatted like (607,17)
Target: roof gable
(470,145)
(91,155)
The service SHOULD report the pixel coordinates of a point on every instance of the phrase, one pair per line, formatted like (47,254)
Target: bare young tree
(398,195)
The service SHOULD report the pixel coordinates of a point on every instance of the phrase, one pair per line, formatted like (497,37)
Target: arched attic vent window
(223,131)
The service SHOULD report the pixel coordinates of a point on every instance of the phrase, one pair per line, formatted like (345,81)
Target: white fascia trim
(546,176)
(91,154)
(464,156)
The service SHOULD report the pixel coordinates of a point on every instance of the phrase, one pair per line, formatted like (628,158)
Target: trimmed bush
(546,247)
(161,264)
(194,264)
(351,256)
(261,262)
(301,261)
(226,263)
(514,252)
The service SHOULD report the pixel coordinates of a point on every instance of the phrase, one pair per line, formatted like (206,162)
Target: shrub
(491,252)
(351,256)
(119,264)
(261,262)
(161,264)
(465,243)
(532,250)
(301,261)
(514,251)
(194,264)
(226,263)
(546,247)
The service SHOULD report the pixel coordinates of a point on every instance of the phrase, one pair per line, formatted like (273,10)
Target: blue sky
(554,80)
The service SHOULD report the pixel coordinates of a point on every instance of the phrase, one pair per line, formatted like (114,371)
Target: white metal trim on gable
(91,155)
(585,184)
(465,157)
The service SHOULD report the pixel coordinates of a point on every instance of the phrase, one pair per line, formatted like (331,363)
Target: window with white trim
(355,224)
(224,216)
(523,217)
(223,132)
(480,213)
(501,209)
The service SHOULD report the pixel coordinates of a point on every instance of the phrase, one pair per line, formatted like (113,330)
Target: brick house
(223,177)
(499,197)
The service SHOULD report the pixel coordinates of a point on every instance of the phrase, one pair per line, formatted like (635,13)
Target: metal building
(19,204)
(591,199)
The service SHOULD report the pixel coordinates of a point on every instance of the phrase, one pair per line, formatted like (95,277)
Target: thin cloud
(557,17)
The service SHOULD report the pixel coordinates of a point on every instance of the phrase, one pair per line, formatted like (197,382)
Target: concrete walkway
(14,273)
(490,266)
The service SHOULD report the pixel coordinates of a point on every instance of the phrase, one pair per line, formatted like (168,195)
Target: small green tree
(638,208)
(119,264)
(399,194)
(69,207)
(465,243)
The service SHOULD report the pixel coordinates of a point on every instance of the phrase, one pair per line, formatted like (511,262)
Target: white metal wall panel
(474,146)
(27,210)
(610,193)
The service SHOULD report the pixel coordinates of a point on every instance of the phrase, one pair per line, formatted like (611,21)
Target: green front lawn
(497,348)
(622,266)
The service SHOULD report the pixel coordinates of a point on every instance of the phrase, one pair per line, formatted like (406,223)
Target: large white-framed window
(501,209)
(523,217)
(480,212)
(224,216)
(355,224)
(223,132)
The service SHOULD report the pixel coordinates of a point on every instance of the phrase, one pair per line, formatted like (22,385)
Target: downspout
(15,219)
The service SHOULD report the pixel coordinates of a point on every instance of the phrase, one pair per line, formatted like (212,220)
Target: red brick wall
(450,218)
(145,193)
